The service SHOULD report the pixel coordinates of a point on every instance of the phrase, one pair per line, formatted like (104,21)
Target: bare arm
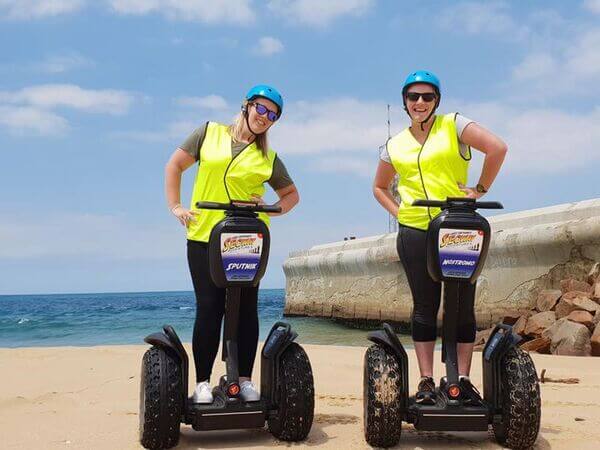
(179,161)
(288,198)
(491,145)
(383,178)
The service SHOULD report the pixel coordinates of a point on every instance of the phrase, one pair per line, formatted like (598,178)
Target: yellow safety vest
(430,171)
(245,176)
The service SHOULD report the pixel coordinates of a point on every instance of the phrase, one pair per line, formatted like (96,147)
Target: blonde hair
(236,128)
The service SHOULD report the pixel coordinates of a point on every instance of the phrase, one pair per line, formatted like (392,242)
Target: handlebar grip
(433,203)
(269,209)
(489,205)
(212,205)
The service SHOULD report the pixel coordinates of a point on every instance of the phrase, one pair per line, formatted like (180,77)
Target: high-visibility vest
(220,178)
(429,171)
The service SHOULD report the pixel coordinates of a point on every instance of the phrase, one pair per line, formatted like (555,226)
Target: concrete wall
(363,280)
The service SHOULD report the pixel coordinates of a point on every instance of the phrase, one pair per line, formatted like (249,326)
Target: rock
(586,304)
(511,317)
(564,307)
(574,294)
(547,299)
(568,338)
(571,284)
(596,319)
(595,341)
(482,336)
(540,345)
(573,300)
(582,317)
(596,291)
(539,322)
(519,326)
(594,274)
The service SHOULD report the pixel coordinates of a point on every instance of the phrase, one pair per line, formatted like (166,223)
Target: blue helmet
(422,76)
(268,92)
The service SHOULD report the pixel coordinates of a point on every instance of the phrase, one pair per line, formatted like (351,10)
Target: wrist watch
(480,188)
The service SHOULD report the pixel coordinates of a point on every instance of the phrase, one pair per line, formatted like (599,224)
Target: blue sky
(94,97)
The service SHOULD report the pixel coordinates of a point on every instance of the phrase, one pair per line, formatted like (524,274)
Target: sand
(87,398)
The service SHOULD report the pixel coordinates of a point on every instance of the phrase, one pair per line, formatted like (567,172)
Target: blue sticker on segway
(459,251)
(240,253)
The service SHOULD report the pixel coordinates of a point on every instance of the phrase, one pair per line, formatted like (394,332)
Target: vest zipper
(419,166)
(229,165)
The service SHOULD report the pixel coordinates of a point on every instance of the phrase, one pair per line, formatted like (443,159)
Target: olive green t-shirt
(279,178)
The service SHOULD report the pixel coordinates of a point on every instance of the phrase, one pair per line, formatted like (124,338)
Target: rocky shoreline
(564,321)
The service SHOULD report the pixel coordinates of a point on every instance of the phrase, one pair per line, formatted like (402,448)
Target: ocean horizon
(125,318)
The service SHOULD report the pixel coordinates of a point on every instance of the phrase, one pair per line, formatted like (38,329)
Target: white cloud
(62,235)
(214,11)
(592,5)
(319,12)
(208,102)
(540,140)
(22,120)
(342,124)
(63,63)
(268,46)
(361,167)
(175,132)
(482,18)
(573,69)
(35,9)
(31,109)
(535,66)
(71,96)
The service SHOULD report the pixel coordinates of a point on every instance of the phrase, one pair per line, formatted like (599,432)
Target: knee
(423,332)
(466,333)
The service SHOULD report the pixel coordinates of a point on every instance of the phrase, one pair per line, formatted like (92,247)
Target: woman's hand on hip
(469,191)
(257,199)
(185,216)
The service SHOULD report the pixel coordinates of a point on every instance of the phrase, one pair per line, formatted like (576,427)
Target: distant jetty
(361,281)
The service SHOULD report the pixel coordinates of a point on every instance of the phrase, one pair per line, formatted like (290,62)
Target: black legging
(411,245)
(210,306)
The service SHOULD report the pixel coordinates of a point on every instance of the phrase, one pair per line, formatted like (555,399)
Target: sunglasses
(427,97)
(262,110)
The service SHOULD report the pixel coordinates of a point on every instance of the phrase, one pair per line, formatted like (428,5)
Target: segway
(457,244)
(238,252)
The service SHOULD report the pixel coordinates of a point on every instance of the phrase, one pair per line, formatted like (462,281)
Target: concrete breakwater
(362,280)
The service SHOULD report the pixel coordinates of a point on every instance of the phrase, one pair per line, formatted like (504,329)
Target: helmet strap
(245,110)
(437,103)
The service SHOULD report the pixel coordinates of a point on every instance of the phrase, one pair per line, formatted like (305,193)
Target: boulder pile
(565,321)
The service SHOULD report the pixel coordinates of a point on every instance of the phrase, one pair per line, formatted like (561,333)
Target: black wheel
(160,399)
(521,402)
(382,398)
(296,394)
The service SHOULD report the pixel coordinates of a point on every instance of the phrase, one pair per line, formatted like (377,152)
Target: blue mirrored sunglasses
(262,110)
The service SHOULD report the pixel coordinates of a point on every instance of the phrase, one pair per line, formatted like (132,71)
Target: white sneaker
(248,392)
(203,393)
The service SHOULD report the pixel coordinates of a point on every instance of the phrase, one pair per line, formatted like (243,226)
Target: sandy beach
(87,398)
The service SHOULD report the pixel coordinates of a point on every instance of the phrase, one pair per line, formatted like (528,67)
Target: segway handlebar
(453,202)
(239,205)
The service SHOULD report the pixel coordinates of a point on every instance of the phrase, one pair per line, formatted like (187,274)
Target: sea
(126,318)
